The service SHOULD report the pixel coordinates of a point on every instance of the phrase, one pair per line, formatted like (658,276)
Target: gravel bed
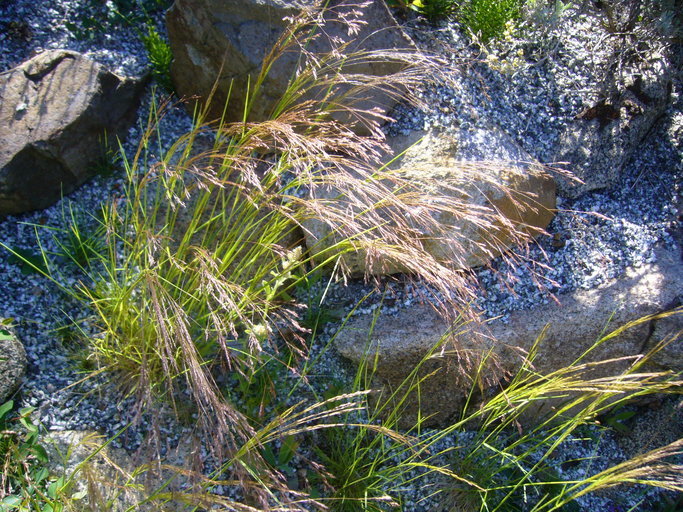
(543,88)
(601,233)
(92,28)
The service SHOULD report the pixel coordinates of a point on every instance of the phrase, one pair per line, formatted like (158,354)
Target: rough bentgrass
(195,280)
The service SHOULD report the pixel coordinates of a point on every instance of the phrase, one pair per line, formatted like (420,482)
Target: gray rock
(224,42)
(100,470)
(12,363)
(602,138)
(55,111)
(481,170)
(574,325)
(114,479)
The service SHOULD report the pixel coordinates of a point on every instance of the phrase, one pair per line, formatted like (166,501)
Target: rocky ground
(531,95)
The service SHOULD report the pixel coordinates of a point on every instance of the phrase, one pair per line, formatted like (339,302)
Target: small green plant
(487,19)
(160,57)
(109,159)
(317,313)
(498,477)
(80,245)
(618,419)
(258,388)
(280,458)
(353,479)
(356,473)
(26,483)
(434,10)
(365,461)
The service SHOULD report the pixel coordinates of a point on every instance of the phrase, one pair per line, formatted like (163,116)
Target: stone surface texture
(114,474)
(55,111)
(12,363)
(223,42)
(598,143)
(574,325)
(482,169)
(95,467)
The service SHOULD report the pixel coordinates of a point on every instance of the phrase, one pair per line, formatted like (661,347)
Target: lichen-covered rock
(574,325)
(12,363)
(55,111)
(482,169)
(224,42)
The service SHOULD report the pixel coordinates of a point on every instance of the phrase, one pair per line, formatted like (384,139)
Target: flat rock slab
(574,325)
(55,112)
(114,478)
(95,467)
(496,196)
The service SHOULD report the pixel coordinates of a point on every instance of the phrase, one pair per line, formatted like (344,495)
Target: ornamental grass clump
(510,463)
(503,453)
(201,255)
(201,250)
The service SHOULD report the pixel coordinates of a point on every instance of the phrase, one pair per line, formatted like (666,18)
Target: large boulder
(223,43)
(582,317)
(55,112)
(12,363)
(598,143)
(482,169)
